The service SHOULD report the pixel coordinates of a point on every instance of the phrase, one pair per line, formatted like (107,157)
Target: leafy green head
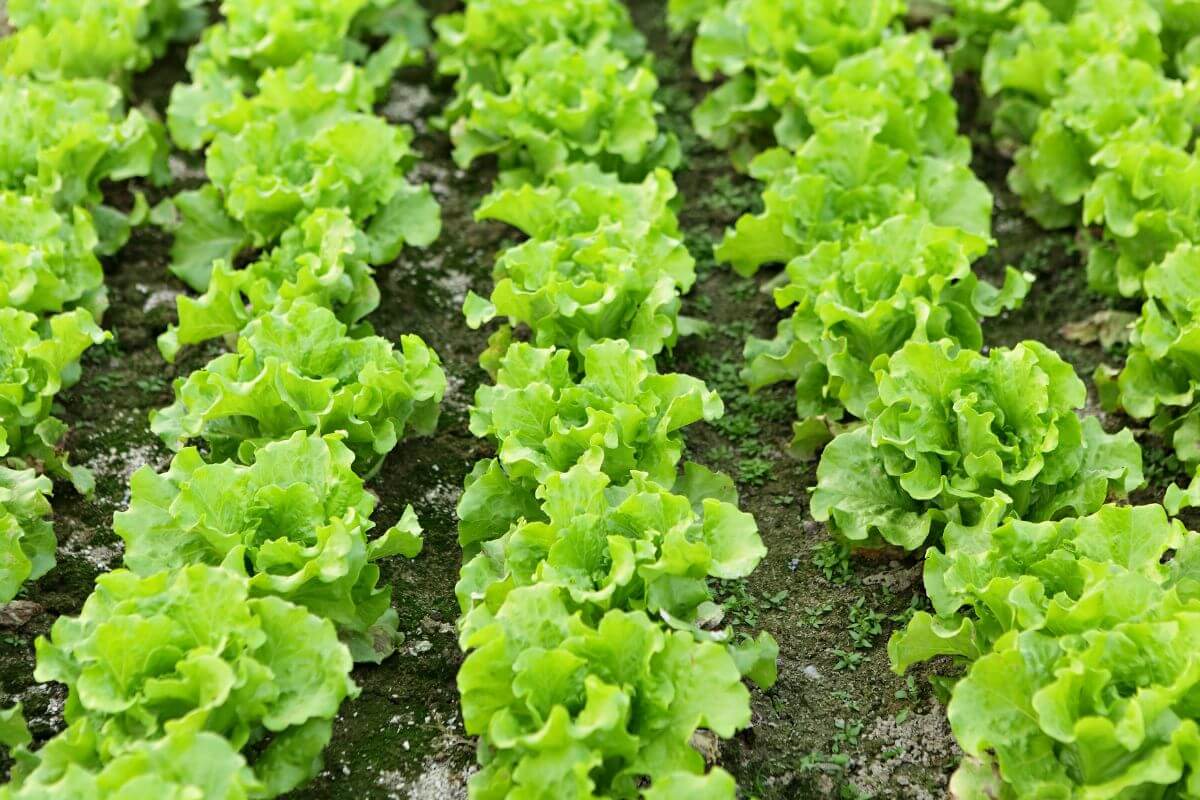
(189,650)
(297,369)
(954,432)
(544,418)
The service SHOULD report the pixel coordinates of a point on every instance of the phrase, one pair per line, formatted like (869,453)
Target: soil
(838,724)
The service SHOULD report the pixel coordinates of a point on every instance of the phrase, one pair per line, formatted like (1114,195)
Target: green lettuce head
(305,143)
(842,180)
(998,576)
(190,650)
(544,419)
(1145,201)
(604,260)
(322,260)
(478,45)
(566,102)
(182,765)
(65,138)
(954,432)
(27,541)
(1161,374)
(295,521)
(633,547)
(572,708)
(38,359)
(1100,705)
(1031,63)
(1110,97)
(47,257)
(854,302)
(297,369)
(767,50)
(109,40)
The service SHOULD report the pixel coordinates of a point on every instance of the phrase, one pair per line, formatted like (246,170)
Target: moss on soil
(838,724)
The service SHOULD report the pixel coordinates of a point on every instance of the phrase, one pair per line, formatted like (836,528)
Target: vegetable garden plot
(398,346)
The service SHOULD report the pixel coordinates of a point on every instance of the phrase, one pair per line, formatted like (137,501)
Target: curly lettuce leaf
(323,260)
(1101,710)
(182,764)
(64,138)
(478,45)
(256,35)
(1144,198)
(38,359)
(27,542)
(1000,576)
(104,39)
(1033,60)
(1109,97)
(770,53)
(1160,376)
(632,547)
(308,140)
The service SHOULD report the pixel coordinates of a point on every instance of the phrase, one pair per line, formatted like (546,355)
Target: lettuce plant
(858,301)
(998,576)
(1097,703)
(903,83)
(604,259)
(570,707)
(191,650)
(27,541)
(47,257)
(38,359)
(297,369)
(256,35)
(1109,97)
(840,181)
(296,520)
(478,45)
(635,546)
(766,48)
(104,39)
(182,764)
(566,102)
(953,432)
(543,420)
(307,140)
(1031,64)
(216,103)
(280,168)
(323,260)
(64,138)
(1144,197)
(1160,376)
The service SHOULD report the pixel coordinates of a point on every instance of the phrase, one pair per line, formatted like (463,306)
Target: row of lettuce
(212,665)
(65,134)
(1073,616)
(595,648)
(1099,101)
